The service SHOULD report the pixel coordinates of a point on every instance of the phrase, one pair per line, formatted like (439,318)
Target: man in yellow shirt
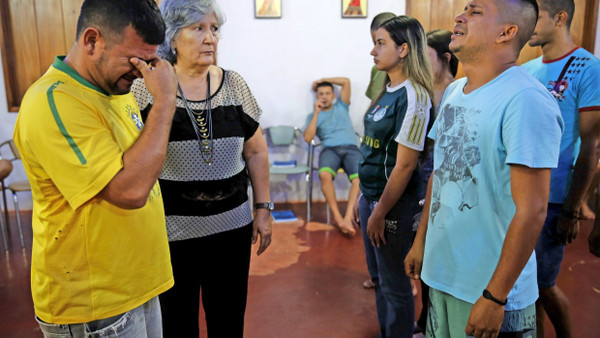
(100,254)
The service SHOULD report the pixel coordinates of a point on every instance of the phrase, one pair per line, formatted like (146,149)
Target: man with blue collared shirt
(572,75)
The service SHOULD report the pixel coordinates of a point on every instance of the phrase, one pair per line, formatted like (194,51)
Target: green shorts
(448,317)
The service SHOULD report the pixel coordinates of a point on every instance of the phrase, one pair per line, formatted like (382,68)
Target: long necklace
(204,133)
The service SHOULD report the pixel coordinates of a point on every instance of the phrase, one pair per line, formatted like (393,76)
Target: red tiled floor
(307,284)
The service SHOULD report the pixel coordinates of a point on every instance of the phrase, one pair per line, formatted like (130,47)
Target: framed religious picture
(354,8)
(267,9)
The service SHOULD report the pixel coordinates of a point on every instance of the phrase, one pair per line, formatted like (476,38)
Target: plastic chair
(14,187)
(288,139)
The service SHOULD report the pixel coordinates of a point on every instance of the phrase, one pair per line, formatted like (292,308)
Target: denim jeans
(549,252)
(141,322)
(365,208)
(394,298)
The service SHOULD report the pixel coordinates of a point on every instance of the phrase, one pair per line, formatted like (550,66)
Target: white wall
(279,58)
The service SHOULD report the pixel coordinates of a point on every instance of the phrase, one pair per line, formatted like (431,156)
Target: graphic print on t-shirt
(378,113)
(460,154)
(571,69)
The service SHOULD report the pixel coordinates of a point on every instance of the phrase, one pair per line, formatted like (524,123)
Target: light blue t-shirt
(510,120)
(334,126)
(574,81)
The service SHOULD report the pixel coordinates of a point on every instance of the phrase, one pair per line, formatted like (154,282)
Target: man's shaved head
(523,13)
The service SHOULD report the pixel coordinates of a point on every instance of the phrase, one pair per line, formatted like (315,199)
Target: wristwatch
(266,205)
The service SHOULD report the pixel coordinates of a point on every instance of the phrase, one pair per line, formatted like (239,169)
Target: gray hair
(178,14)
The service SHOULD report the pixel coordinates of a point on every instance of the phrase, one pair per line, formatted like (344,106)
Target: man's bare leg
(329,193)
(352,198)
(556,306)
(586,211)
(540,319)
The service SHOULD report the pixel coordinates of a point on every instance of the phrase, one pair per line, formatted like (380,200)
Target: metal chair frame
(14,187)
(288,136)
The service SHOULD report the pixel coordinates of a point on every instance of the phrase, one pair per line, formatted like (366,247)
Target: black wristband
(569,214)
(488,295)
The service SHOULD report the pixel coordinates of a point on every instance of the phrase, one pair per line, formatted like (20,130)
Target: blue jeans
(365,208)
(398,308)
(549,252)
(143,321)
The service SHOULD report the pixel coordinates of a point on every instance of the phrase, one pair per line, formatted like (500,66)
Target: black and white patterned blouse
(202,199)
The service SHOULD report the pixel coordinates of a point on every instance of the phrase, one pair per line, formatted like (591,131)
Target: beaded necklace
(204,133)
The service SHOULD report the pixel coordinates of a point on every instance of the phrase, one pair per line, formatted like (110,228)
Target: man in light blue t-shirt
(497,136)
(572,75)
(332,124)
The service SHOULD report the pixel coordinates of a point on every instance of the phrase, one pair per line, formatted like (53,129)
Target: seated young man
(331,123)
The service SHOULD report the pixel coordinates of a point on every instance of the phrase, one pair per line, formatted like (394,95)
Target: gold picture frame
(354,8)
(267,9)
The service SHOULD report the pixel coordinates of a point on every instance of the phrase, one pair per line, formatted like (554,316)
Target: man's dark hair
(380,18)
(111,17)
(553,7)
(324,84)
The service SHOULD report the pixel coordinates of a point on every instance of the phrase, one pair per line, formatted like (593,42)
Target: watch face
(271,205)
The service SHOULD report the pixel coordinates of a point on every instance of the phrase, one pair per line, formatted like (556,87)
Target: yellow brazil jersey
(90,259)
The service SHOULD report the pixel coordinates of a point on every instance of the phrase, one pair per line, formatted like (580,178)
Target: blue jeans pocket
(109,327)
(53,330)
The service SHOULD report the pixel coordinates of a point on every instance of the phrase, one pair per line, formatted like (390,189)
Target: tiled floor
(307,284)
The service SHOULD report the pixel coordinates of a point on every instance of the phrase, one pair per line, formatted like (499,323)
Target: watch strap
(488,295)
(265,205)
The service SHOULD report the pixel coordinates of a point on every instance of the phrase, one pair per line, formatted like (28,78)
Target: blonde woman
(395,127)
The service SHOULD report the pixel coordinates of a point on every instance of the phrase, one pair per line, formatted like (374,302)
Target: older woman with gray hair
(215,143)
